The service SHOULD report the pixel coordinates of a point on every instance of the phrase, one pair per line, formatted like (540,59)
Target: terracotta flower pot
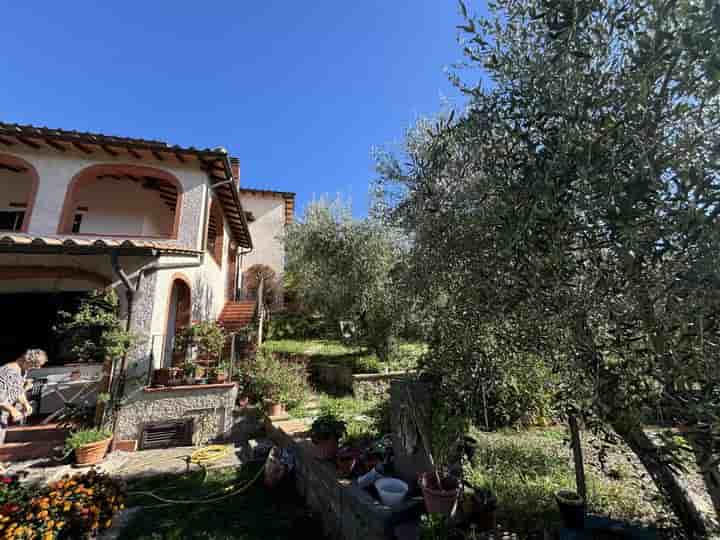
(326,449)
(439,499)
(92,453)
(275,409)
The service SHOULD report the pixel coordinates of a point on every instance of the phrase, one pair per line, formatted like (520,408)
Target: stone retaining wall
(348,512)
(376,386)
(210,406)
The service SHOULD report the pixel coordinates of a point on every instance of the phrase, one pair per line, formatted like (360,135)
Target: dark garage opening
(28,320)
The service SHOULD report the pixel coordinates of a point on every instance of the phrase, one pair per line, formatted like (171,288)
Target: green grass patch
(527,468)
(254,515)
(366,420)
(359,358)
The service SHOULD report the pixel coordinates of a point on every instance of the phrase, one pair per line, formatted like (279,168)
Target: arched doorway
(179,317)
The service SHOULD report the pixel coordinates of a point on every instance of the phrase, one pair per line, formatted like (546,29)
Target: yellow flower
(59,525)
(49,536)
(66,507)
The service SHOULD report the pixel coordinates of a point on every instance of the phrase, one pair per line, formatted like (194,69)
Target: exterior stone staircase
(236,315)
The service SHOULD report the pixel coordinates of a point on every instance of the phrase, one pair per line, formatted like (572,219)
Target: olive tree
(572,209)
(343,268)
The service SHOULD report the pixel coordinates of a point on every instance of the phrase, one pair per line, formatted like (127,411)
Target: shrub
(269,378)
(287,325)
(73,507)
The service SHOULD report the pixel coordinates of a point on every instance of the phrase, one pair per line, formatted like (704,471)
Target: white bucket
(391,490)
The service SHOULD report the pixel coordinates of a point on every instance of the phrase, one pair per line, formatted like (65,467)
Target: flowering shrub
(73,507)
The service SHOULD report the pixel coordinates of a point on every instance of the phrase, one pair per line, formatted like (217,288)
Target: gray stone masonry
(211,407)
(347,512)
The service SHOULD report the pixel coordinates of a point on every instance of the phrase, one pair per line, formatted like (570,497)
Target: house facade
(168,227)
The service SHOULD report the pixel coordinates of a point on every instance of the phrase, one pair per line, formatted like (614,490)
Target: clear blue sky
(299,91)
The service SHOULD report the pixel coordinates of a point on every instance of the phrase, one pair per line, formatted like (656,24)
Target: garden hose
(208,453)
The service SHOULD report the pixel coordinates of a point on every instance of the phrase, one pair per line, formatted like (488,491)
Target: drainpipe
(154,266)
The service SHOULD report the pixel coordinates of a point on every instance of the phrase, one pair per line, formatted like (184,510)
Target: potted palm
(441,490)
(325,433)
(89,445)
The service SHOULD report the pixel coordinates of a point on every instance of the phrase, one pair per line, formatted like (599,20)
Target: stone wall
(348,512)
(210,406)
(376,386)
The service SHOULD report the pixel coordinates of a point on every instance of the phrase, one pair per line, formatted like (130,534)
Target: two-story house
(167,226)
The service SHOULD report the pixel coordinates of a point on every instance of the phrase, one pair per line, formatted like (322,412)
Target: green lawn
(366,420)
(360,358)
(526,468)
(258,514)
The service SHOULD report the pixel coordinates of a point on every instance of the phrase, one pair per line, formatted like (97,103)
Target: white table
(69,392)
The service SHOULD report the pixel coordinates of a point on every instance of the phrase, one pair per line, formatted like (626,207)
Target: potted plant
(219,373)
(441,491)
(189,369)
(572,508)
(325,433)
(485,509)
(206,337)
(278,384)
(89,445)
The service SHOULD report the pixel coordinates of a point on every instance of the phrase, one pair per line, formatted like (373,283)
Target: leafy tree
(572,210)
(343,269)
(95,331)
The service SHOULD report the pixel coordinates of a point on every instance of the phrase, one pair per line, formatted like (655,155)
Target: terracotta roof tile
(92,244)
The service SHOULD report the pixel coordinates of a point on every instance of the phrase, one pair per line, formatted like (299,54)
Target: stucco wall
(120,207)
(208,292)
(266,230)
(16,188)
(56,171)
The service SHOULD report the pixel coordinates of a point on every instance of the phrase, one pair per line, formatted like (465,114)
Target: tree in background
(572,212)
(343,268)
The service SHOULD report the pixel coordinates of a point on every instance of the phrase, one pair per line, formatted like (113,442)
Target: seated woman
(12,388)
